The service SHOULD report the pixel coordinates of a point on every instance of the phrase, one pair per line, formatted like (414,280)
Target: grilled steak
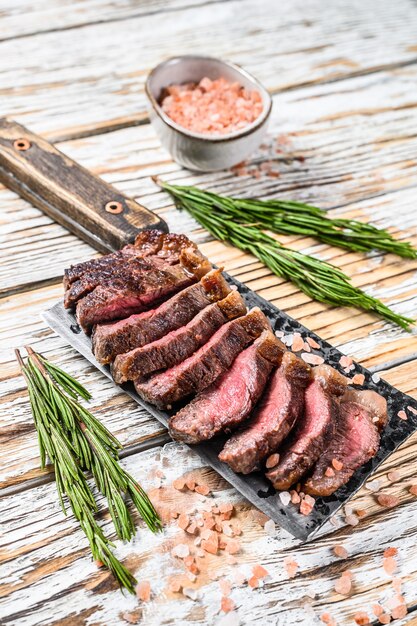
(313,433)
(122,297)
(372,401)
(206,365)
(228,401)
(179,344)
(147,243)
(355,441)
(274,417)
(115,338)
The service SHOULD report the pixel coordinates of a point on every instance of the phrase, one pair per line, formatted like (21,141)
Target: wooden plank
(87,85)
(44,557)
(24,18)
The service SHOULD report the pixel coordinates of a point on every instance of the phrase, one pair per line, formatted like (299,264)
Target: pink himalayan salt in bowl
(192,136)
(212,107)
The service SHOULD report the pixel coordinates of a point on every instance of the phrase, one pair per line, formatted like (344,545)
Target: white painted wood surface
(343,79)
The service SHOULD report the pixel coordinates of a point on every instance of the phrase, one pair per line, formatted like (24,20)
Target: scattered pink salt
(388,500)
(253,582)
(175,586)
(358,379)
(213,107)
(343,584)
(338,465)
(298,343)
(227,604)
(233,546)
(402,415)
(183,521)
(340,551)
(329,472)
(345,361)
(361,618)
(313,343)
(390,552)
(307,505)
(412,409)
(259,571)
(390,565)
(312,359)
(225,586)
(179,484)
(413,490)
(394,476)
(143,590)
(291,566)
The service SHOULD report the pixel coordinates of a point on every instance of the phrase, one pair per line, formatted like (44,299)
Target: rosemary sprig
(227,221)
(75,442)
(296,218)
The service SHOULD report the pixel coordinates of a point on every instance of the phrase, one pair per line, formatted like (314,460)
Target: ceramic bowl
(197,151)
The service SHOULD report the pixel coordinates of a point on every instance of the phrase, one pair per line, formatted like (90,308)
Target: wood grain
(25,18)
(45,558)
(95,77)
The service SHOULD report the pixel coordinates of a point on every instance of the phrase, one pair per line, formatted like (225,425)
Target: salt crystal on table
(285,497)
(270,527)
(190,593)
(376,377)
(181,550)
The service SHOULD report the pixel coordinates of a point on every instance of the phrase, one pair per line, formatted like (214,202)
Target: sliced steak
(122,297)
(280,407)
(312,433)
(355,441)
(372,401)
(115,338)
(229,401)
(206,365)
(127,264)
(147,243)
(179,344)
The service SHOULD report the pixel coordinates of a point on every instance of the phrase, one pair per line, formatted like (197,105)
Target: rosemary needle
(75,441)
(243,223)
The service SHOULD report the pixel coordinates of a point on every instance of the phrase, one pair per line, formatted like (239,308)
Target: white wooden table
(343,77)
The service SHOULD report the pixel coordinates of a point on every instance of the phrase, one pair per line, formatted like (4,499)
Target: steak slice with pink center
(120,337)
(280,407)
(355,441)
(179,344)
(122,297)
(228,402)
(206,365)
(314,431)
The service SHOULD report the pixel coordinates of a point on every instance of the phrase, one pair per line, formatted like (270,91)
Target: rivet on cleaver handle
(67,192)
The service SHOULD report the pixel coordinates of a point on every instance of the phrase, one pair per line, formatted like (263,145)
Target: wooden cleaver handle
(67,192)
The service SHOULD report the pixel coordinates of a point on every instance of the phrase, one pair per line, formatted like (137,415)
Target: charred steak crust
(147,243)
(355,441)
(115,338)
(206,365)
(312,433)
(280,407)
(227,402)
(179,344)
(123,297)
